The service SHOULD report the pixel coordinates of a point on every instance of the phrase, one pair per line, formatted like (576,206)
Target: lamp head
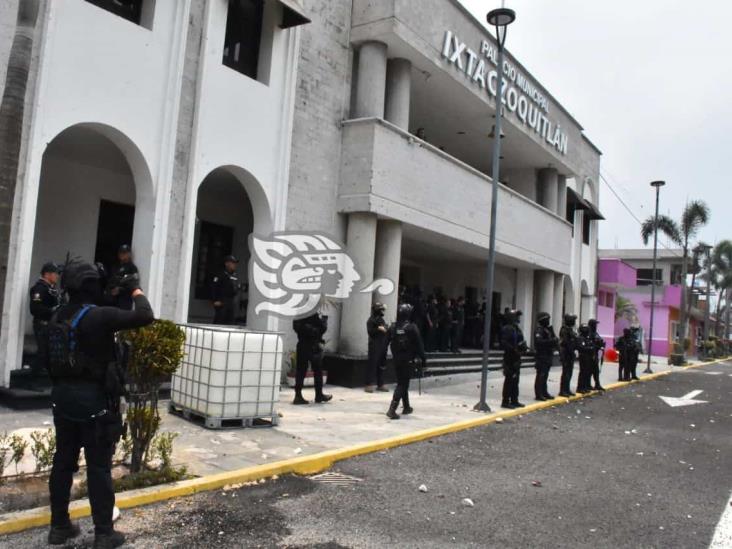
(500,18)
(658,184)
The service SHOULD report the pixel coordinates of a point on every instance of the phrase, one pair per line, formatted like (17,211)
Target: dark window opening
(243,36)
(586,225)
(676,271)
(215,242)
(127,9)
(571,209)
(115,226)
(644,277)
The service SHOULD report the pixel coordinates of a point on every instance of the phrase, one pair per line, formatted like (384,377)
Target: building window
(586,225)
(215,242)
(610,300)
(139,12)
(676,274)
(644,277)
(243,36)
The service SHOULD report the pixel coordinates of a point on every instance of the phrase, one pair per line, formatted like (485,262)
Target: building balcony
(391,173)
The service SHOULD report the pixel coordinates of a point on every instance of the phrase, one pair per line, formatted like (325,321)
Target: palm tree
(693,218)
(12,109)
(626,309)
(722,277)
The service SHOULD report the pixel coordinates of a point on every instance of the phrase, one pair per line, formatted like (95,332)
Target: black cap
(543,316)
(230,259)
(124,249)
(49,268)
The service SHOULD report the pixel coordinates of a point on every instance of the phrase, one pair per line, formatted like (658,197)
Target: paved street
(354,417)
(626,469)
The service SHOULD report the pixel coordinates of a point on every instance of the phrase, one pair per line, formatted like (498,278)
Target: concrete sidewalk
(352,417)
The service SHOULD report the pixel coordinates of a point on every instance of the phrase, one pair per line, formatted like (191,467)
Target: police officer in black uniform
(124,269)
(545,342)
(635,353)
(587,355)
(567,353)
(309,351)
(599,344)
(513,345)
(225,293)
(406,345)
(621,345)
(378,343)
(86,401)
(44,300)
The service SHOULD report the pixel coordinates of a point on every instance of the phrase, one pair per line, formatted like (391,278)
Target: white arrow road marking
(714,373)
(686,400)
(723,533)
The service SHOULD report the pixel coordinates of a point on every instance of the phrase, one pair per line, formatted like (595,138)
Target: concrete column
(562,196)
(361,245)
(371,80)
(388,262)
(558,302)
(545,288)
(398,90)
(549,188)
(525,300)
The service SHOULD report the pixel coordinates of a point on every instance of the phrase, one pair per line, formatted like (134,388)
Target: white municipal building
(185,125)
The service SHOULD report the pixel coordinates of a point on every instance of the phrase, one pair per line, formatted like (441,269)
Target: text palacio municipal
(520,96)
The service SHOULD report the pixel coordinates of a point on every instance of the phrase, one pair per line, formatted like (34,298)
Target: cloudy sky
(651,82)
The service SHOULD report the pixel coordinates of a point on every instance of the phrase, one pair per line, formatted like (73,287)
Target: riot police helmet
(584,330)
(592,323)
(627,332)
(569,320)
(378,308)
(543,318)
(404,312)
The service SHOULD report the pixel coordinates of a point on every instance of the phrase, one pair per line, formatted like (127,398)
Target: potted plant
(676,358)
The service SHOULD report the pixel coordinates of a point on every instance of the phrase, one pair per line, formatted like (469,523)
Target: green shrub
(155,352)
(18,447)
(43,447)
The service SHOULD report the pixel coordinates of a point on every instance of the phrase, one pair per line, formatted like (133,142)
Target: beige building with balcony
(391,151)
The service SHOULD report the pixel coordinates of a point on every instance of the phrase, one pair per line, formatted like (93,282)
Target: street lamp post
(499,18)
(657,185)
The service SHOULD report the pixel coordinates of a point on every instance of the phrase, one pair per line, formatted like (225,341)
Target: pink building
(625,279)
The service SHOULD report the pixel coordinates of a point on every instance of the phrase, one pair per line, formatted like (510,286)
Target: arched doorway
(229,207)
(94,194)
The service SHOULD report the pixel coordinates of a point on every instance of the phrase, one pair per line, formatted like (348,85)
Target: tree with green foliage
(693,218)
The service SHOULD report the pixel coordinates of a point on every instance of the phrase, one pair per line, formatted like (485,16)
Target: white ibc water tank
(228,373)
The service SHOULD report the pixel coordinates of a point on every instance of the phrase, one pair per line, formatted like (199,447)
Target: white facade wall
(101,72)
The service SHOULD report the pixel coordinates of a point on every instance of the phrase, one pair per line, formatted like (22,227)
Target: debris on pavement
(467,502)
(423,488)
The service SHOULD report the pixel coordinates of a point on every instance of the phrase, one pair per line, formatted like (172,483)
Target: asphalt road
(620,470)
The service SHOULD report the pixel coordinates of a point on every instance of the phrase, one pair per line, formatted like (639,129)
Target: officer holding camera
(87,386)
(124,270)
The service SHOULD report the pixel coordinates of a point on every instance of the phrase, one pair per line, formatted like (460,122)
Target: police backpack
(400,344)
(64,357)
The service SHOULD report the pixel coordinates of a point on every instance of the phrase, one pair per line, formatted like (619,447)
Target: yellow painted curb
(305,465)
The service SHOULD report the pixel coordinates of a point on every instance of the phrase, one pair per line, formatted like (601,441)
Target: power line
(632,214)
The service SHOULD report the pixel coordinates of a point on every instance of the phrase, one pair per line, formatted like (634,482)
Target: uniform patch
(36,297)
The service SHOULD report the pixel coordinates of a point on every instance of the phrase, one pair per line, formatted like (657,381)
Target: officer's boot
(392,413)
(299,400)
(407,409)
(109,541)
(320,396)
(59,535)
